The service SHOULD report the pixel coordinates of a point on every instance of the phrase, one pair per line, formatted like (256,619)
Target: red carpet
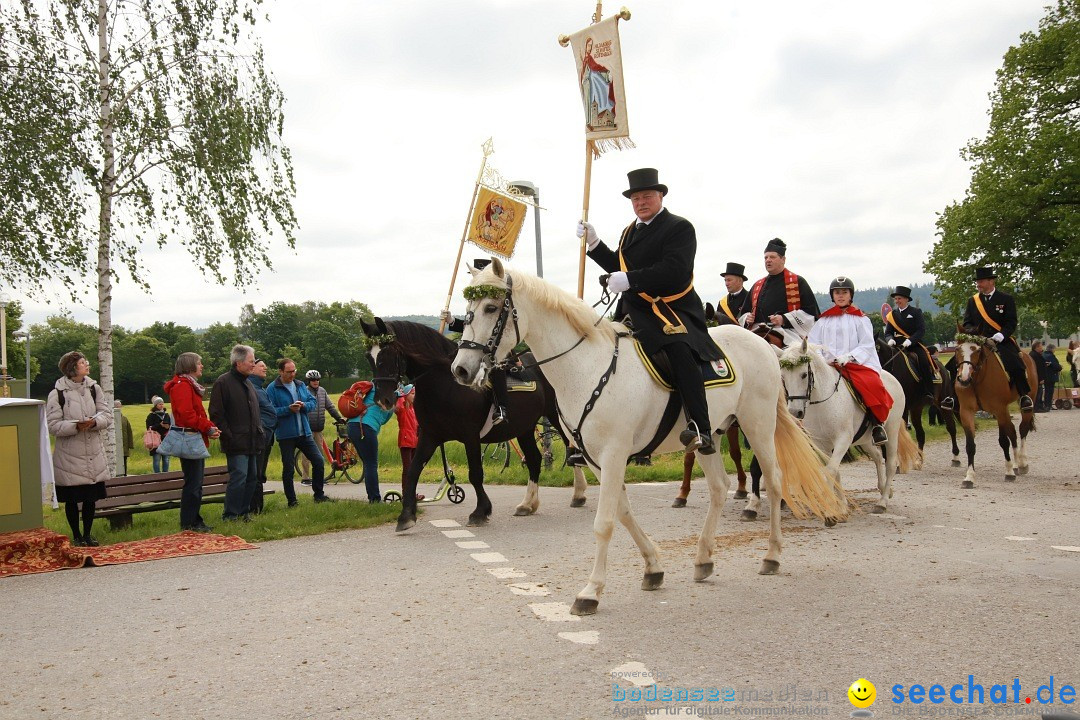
(42,550)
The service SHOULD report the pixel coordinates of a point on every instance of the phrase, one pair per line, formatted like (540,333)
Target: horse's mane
(422,343)
(581,317)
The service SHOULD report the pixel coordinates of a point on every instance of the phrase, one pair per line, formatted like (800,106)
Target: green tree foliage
(169,333)
(276,327)
(328,349)
(16,349)
(1021,212)
(143,361)
(50,340)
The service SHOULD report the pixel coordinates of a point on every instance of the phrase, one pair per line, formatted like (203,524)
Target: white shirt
(841,335)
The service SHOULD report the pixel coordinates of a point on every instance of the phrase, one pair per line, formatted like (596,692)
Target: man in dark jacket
(234,409)
(653,268)
(268,416)
(780,305)
(905,326)
(992,313)
(730,305)
(1053,372)
(1040,371)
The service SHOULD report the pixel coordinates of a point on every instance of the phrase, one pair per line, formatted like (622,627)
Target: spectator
(234,408)
(1070,360)
(364,433)
(1040,372)
(408,432)
(1053,372)
(268,415)
(159,421)
(78,413)
(125,432)
(317,419)
(185,395)
(293,402)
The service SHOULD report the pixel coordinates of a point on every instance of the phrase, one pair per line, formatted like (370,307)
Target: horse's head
(797,376)
(970,350)
(387,362)
(489,313)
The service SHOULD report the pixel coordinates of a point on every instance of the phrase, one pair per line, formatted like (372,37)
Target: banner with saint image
(598,57)
(496,222)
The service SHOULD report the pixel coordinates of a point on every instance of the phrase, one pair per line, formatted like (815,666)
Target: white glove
(587,231)
(997,337)
(618,282)
(907,343)
(892,343)
(446,317)
(842,361)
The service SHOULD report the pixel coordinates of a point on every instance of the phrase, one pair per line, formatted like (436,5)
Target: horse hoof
(1010,478)
(967,485)
(702,571)
(477,520)
(577,502)
(740,494)
(955,463)
(584,606)
(1022,470)
(652,581)
(679,502)
(749,515)
(783,504)
(404,523)
(769,567)
(877,509)
(522,511)
(830,522)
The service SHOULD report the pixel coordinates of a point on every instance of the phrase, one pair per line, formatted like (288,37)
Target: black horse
(896,361)
(447,410)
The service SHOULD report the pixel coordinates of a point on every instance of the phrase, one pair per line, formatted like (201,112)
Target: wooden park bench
(132,494)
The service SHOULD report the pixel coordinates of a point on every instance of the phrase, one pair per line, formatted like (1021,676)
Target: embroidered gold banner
(496,222)
(598,57)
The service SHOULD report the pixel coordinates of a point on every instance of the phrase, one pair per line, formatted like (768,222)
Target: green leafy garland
(475,292)
(789,364)
(380,340)
(965,338)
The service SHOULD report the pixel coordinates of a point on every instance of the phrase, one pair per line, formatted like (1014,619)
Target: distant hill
(430,320)
(870,300)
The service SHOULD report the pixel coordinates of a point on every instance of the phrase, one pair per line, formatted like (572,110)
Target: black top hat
(985,273)
(481,263)
(644,179)
(735,269)
(902,291)
(777,246)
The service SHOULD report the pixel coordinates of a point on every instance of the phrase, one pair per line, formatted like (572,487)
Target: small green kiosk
(24,457)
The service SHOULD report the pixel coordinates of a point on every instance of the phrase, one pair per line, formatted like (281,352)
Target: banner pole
(488,148)
(584,218)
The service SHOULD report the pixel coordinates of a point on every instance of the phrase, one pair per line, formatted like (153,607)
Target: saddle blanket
(717,373)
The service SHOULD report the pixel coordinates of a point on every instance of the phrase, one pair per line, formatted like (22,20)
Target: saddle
(717,373)
(912,365)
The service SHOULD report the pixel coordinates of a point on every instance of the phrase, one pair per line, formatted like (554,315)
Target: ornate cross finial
(489,147)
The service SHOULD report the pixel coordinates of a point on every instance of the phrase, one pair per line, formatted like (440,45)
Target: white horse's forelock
(581,317)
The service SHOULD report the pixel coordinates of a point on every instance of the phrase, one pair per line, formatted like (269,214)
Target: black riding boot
(686,376)
(500,412)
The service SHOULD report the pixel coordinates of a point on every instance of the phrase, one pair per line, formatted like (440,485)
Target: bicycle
(448,487)
(340,459)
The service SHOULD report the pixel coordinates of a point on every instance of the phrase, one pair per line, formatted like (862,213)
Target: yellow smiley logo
(862,693)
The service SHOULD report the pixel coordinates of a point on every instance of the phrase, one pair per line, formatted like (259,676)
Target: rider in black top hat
(905,326)
(730,305)
(992,313)
(653,268)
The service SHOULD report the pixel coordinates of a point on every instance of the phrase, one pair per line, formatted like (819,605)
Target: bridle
(975,366)
(806,399)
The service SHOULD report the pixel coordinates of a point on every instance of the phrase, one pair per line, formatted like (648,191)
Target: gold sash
(660,302)
(895,325)
(727,310)
(982,311)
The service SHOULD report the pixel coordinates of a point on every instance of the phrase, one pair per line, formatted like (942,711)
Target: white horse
(820,399)
(613,407)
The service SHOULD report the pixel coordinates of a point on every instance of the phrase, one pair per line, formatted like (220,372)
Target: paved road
(365,624)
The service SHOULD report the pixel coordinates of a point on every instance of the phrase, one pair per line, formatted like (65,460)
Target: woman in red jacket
(408,431)
(189,416)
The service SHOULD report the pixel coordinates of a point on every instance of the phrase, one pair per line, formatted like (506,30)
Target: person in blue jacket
(364,433)
(293,402)
(268,415)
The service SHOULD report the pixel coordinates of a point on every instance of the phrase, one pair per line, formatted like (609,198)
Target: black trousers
(497,378)
(689,383)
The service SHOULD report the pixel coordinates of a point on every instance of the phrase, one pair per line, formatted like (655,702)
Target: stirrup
(574,458)
(948,404)
(693,439)
(499,416)
(1027,406)
(879,435)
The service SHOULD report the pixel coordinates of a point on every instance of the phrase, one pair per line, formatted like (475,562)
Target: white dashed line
(1017,538)
(446,523)
(506,573)
(529,589)
(458,533)
(472,545)
(491,557)
(633,672)
(1066,548)
(939,526)
(554,612)
(964,529)
(586,637)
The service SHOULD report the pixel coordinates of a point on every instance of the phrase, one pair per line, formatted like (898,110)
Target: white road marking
(553,612)
(586,637)
(458,533)
(1066,548)
(887,516)
(506,573)
(472,545)
(1017,538)
(446,523)
(964,529)
(633,672)
(939,526)
(492,557)
(529,589)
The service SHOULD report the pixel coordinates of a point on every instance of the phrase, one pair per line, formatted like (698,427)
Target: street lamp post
(25,335)
(5,391)
(531,190)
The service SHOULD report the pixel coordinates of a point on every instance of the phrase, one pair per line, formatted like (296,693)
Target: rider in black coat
(999,323)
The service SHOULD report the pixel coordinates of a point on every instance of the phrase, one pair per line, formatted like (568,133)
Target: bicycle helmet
(841,283)
(313,375)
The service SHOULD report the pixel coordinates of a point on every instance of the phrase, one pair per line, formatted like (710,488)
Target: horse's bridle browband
(810,388)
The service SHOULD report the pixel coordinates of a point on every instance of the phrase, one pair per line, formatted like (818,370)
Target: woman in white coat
(79,416)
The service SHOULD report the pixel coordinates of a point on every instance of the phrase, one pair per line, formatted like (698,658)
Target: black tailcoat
(910,320)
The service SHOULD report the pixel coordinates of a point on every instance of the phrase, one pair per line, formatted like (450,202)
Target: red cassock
(868,383)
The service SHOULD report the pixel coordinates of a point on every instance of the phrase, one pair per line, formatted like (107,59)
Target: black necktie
(641,225)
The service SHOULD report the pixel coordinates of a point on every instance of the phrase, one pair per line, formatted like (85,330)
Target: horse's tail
(908,452)
(806,488)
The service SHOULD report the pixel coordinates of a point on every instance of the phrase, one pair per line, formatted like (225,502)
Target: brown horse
(732,435)
(983,384)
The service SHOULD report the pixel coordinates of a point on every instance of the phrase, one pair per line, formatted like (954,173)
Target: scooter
(447,488)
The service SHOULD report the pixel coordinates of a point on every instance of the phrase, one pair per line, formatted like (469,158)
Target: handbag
(151,439)
(186,446)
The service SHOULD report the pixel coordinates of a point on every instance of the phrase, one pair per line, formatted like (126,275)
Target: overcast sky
(834,125)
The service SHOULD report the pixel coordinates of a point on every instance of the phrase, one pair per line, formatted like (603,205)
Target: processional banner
(496,222)
(598,57)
